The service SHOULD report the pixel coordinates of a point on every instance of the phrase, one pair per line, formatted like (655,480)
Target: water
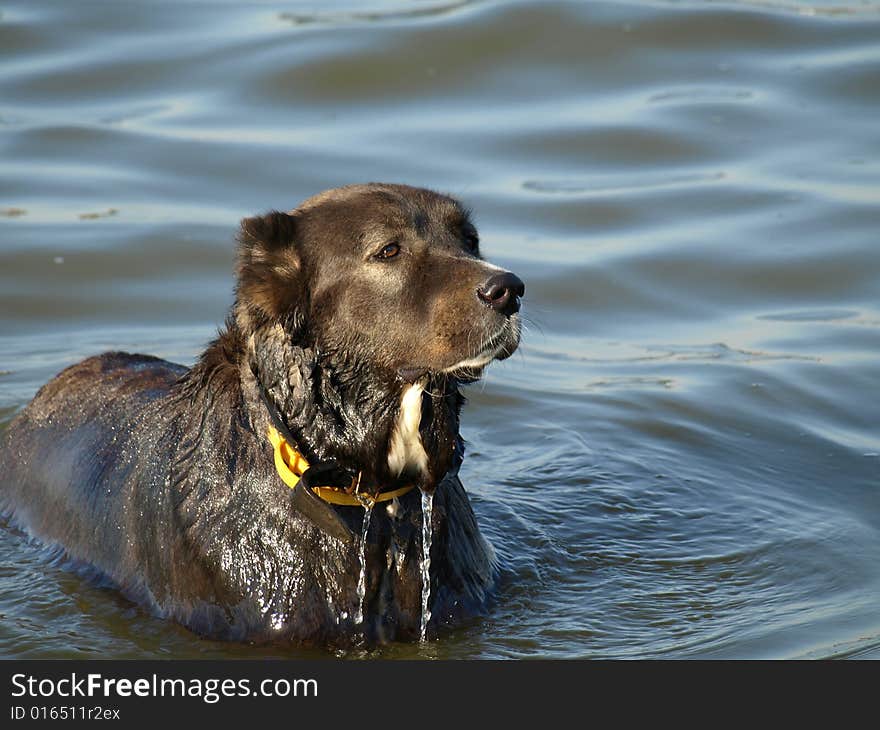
(362,557)
(425,563)
(682,461)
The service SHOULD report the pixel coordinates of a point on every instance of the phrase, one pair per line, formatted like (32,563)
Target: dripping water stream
(427,530)
(362,556)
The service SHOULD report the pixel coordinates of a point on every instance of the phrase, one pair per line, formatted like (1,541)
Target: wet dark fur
(162,478)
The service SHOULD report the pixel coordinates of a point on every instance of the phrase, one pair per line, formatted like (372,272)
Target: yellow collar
(291,465)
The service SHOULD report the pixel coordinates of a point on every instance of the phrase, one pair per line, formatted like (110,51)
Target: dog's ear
(269,268)
(270,232)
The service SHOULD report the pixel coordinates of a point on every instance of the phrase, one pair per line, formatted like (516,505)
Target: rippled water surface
(684,461)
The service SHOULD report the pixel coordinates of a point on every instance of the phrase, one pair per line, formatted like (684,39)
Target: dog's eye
(389,251)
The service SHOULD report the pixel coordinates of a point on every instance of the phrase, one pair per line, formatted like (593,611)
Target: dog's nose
(502,292)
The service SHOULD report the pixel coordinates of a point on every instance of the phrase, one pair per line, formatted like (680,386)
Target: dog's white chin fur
(474,363)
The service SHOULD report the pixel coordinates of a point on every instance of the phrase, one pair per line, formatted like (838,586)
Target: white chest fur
(405,450)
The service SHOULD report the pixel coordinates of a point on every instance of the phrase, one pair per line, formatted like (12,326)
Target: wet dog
(232,497)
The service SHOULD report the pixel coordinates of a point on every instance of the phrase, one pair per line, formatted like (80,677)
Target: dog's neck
(367,420)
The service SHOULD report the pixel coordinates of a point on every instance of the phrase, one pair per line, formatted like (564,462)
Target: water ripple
(681,459)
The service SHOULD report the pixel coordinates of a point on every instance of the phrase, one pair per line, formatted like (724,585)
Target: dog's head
(388,274)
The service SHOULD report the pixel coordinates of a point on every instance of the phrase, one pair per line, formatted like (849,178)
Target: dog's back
(60,449)
(77,460)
